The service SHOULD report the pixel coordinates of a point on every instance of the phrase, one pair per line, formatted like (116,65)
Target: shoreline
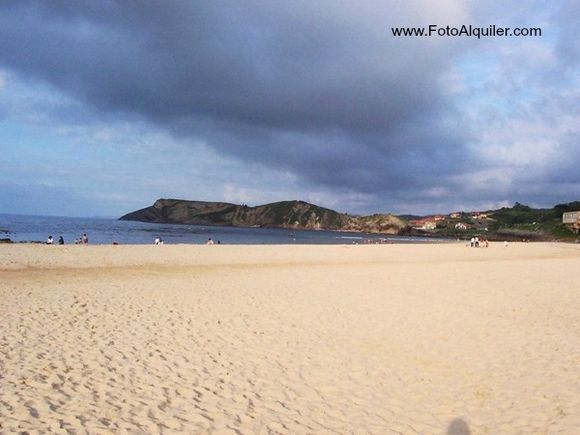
(107,230)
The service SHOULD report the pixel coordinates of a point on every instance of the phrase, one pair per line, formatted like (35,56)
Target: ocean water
(23,228)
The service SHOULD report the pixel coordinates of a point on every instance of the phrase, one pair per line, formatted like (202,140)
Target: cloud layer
(320,96)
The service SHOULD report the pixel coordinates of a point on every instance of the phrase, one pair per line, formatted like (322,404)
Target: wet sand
(290,339)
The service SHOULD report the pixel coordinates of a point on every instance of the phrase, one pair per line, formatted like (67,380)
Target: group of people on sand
(50,240)
(82,240)
(478,242)
(158,241)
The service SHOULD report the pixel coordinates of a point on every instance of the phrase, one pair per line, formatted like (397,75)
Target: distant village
(475,221)
(461,221)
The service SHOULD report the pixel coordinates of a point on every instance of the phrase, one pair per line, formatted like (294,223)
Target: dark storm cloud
(321,90)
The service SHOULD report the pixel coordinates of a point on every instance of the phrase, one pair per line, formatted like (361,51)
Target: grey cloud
(303,87)
(319,89)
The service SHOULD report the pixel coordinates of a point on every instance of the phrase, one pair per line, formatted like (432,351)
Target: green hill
(540,223)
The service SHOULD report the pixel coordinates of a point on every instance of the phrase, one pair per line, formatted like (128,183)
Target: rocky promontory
(284,214)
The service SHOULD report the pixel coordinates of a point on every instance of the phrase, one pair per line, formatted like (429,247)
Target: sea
(25,228)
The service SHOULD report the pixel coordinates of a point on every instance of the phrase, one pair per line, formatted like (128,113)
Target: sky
(107,106)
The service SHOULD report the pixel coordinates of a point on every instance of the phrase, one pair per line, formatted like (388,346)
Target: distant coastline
(519,222)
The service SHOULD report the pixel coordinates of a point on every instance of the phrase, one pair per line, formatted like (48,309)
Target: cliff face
(376,223)
(285,214)
(175,211)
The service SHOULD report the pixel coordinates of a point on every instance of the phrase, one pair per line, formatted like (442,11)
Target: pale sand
(290,339)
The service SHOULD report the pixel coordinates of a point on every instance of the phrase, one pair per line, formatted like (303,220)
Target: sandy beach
(290,339)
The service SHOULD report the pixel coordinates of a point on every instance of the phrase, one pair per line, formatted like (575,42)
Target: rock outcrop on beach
(284,214)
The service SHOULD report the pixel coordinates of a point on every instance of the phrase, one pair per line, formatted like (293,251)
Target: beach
(382,339)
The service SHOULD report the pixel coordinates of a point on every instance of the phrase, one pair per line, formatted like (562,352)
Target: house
(423,224)
(460,226)
(455,215)
(572,218)
(478,215)
(416,223)
(429,225)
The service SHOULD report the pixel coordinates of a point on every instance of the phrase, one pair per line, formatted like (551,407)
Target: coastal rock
(284,214)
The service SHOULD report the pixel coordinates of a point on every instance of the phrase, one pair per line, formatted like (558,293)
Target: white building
(571,217)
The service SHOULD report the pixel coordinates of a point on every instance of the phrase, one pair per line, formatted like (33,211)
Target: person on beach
(84,239)
(209,241)
(61,240)
(472,242)
(49,241)
(157,240)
